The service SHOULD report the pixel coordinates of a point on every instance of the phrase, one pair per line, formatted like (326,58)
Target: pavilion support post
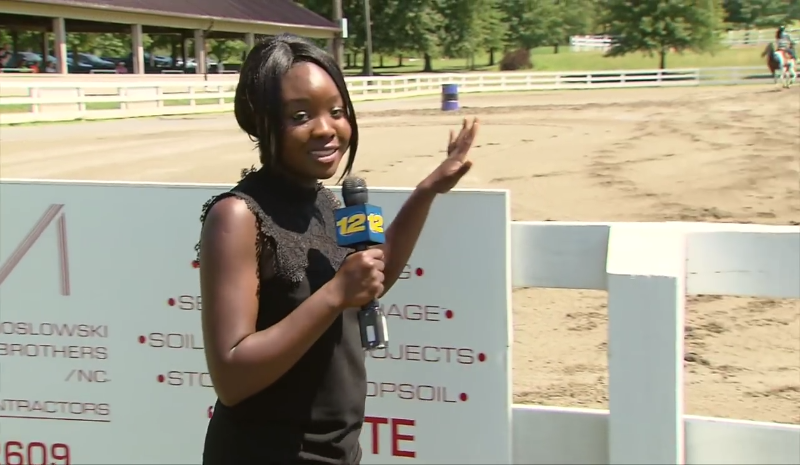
(250,41)
(200,51)
(336,44)
(60,45)
(137,48)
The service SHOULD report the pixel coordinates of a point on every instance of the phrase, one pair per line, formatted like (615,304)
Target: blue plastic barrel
(450,97)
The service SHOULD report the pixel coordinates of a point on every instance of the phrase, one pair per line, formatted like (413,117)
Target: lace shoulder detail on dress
(263,233)
(331,198)
(290,234)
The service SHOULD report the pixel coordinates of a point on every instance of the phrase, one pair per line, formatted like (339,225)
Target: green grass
(544,59)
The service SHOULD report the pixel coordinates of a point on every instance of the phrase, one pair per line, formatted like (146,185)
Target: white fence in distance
(590,43)
(26,100)
(731,38)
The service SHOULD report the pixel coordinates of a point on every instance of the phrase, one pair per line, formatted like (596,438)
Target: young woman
(784,41)
(279,296)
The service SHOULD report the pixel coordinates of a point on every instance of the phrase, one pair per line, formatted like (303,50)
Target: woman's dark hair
(258,104)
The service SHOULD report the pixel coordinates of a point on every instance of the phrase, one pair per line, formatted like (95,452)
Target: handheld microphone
(360,225)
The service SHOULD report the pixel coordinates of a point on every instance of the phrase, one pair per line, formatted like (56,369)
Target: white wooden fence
(590,43)
(731,38)
(26,99)
(648,269)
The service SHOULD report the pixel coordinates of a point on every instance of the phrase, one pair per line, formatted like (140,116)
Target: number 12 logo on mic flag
(359,224)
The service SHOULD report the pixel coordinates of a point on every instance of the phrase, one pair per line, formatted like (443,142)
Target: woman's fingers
(459,145)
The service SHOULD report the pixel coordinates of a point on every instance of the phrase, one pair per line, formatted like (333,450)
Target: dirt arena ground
(694,154)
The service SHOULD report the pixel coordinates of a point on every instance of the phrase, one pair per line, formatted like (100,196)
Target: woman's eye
(337,112)
(300,116)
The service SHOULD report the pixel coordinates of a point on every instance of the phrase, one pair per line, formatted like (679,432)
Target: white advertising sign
(101,358)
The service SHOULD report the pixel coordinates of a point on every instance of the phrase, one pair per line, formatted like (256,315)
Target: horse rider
(784,42)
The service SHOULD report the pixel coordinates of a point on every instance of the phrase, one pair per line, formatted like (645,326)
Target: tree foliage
(660,26)
(756,14)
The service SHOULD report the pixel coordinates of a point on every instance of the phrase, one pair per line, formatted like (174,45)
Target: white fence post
(646,272)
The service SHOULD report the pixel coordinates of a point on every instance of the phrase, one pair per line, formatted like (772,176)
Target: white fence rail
(732,38)
(589,43)
(26,100)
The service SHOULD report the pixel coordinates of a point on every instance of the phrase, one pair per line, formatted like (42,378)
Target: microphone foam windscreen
(354,191)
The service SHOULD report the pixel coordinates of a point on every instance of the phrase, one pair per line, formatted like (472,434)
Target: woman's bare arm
(242,361)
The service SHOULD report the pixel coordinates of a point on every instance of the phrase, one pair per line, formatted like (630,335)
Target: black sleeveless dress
(314,413)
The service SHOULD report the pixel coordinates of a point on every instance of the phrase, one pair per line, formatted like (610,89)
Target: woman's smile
(325,154)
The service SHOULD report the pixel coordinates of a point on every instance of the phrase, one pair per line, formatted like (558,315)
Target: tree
(465,27)
(384,14)
(78,42)
(658,26)
(575,17)
(477,26)
(754,14)
(416,27)
(112,44)
(493,28)
(532,23)
(226,49)
(25,40)
(794,11)
(353,10)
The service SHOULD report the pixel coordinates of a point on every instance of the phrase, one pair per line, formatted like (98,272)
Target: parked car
(95,62)
(20,58)
(160,61)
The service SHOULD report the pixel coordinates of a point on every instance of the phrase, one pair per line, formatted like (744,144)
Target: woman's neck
(286,184)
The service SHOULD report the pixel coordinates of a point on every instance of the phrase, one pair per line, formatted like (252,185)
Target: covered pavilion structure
(197,20)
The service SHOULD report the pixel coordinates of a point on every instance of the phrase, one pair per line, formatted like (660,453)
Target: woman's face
(317,131)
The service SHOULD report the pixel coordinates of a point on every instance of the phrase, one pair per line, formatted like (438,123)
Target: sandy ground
(694,154)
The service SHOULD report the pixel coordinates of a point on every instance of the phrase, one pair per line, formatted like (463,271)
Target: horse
(783,61)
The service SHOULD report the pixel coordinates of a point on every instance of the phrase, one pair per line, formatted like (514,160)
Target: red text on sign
(21,453)
(401,435)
